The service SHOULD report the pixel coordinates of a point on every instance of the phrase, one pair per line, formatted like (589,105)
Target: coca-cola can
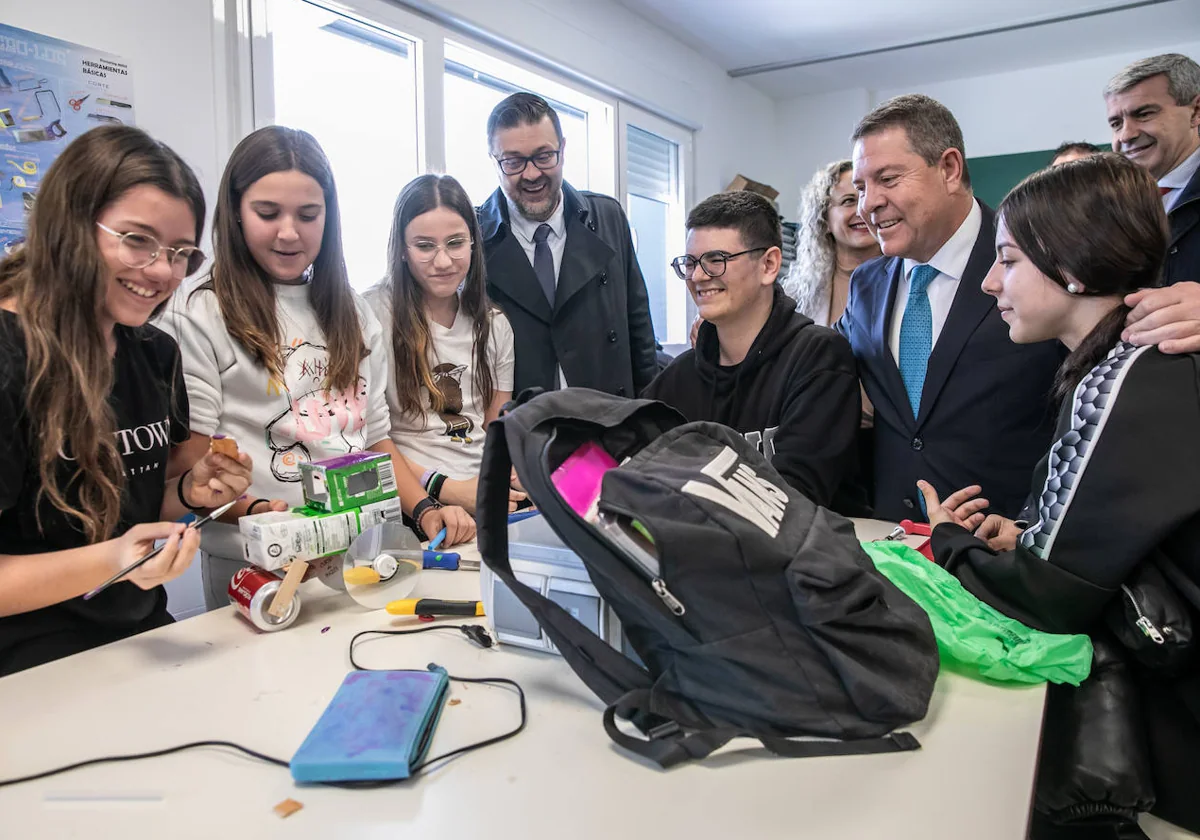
(251,591)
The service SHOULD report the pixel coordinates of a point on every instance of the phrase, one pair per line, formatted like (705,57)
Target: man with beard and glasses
(561,263)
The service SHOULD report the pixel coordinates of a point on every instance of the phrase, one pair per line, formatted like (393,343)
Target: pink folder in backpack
(578,478)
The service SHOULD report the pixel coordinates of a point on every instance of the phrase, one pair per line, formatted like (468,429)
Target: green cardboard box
(348,481)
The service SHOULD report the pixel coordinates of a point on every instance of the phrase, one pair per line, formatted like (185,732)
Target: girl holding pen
(92,401)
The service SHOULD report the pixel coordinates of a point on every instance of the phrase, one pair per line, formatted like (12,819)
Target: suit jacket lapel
(1182,222)
(585,254)
(881,325)
(508,267)
(971,305)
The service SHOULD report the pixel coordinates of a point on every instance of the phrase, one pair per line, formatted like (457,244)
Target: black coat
(599,331)
(1183,252)
(1118,492)
(986,413)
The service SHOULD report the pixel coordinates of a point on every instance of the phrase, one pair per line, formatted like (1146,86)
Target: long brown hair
(1100,221)
(411,339)
(246,293)
(58,281)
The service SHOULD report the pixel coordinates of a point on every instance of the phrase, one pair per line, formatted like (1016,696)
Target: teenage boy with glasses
(759,366)
(561,263)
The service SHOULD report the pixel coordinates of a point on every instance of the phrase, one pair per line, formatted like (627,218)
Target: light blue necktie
(916,335)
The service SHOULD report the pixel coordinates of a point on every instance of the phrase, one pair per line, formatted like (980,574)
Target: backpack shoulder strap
(607,672)
(667,744)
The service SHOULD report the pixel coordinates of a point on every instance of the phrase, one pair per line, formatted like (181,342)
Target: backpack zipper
(651,574)
(657,584)
(1144,623)
(673,603)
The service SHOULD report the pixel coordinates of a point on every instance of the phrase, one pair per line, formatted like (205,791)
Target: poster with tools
(51,91)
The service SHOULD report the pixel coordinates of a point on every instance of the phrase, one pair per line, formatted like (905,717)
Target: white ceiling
(746,33)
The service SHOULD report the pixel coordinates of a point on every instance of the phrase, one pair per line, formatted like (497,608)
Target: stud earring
(1074,288)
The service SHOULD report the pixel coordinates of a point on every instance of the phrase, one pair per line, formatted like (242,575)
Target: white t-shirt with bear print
(450,442)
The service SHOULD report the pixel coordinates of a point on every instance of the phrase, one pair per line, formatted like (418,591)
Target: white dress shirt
(526,228)
(1178,178)
(951,262)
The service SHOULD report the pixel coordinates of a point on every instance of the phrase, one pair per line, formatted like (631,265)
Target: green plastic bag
(976,637)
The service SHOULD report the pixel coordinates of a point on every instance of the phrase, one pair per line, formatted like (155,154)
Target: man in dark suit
(560,263)
(956,402)
(1154,112)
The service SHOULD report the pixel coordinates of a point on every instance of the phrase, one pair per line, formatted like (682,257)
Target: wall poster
(51,91)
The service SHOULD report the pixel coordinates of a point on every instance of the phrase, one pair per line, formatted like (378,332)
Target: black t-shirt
(149,400)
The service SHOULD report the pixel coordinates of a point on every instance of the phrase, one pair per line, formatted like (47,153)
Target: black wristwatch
(419,510)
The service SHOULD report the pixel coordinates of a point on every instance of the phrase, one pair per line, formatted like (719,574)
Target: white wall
(1004,113)
(169,50)
(1037,108)
(813,131)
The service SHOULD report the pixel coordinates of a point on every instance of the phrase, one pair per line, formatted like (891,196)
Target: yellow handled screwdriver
(433,606)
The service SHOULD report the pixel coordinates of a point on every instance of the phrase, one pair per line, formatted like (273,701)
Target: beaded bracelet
(420,509)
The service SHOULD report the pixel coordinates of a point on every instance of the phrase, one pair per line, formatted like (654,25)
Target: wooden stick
(287,589)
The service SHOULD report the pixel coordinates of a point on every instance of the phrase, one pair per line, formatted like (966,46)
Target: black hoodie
(795,395)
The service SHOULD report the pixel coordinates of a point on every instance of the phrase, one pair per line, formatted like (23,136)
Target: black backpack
(766,618)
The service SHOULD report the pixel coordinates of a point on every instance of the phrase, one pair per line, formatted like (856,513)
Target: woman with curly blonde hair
(832,241)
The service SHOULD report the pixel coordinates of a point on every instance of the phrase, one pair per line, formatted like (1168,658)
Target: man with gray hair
(956,402)
(1154,113)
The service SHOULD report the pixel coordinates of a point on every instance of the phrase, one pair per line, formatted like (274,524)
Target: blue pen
(522,514)
(437,540)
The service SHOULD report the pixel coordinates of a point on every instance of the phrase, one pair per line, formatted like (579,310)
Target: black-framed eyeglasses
(140,250)
(713,262)
(516,164)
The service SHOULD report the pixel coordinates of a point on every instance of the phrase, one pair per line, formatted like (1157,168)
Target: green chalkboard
(993,176)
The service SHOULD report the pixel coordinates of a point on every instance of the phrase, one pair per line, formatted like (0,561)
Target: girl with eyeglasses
(92,401)
(451,350)
(278,351)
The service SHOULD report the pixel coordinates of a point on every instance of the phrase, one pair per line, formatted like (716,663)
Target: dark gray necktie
(543,262)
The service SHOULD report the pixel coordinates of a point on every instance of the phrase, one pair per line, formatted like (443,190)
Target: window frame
(680,309)
(602,141)
(244,72)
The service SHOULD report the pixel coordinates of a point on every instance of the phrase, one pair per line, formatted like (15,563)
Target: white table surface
(214,677)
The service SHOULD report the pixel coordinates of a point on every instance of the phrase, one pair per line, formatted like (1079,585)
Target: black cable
(137,756)
(474,632)
(480,636)
(487,743)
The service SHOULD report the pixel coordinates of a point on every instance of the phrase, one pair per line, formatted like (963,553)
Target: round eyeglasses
(713,262)
(140,250)
(425,251)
